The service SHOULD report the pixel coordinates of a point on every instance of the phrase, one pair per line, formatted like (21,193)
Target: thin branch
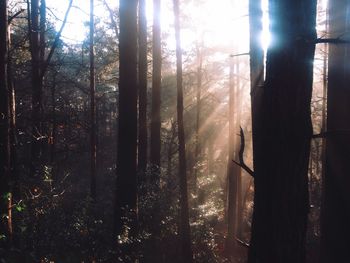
(240,54)
(241,162)
(332,41)
(55,43)
(113,22)
(242,243)
(327,133)
(11,18)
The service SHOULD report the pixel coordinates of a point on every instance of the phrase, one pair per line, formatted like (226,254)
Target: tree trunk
(142,145)
(37,133)
(5,148)
(282,151)
(185,232)
(256,65)
(156,87)
(198,117)
(93,134)
(231,168)
(335,215)
(126,192)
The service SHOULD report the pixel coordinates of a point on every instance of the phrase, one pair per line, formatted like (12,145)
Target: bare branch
(241,162)
(11,18)
(332,41)
(242,243)
(55,43)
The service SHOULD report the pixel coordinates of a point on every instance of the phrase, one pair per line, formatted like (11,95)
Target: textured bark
(282,156)
(335,215)
(156,87)
(126,192)
(5,174)
(93,133)
(142,144)
(185,232)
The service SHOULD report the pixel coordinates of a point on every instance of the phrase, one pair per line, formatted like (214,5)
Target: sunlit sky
(221,23)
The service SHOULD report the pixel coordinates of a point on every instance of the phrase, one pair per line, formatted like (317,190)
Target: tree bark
(185,232)
(335,213)
(156,89)
(282,151)
(142,145)
(126,192)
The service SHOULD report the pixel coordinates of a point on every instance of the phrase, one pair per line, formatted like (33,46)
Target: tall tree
(5,192)
(156,87)
(37,86)
(185,231)
(126,192)
(281,158)
(335,215)
(232,168)
(142,144)
(199,76)
(256,64)
(93,134)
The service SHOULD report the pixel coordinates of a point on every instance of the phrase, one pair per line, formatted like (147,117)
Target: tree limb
(55,43)
(332,41)
(11,18)
(242,243)
(241,162)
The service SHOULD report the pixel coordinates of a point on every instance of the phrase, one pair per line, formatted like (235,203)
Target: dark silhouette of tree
(93,134)
(184,227)
(256,64)
(156,89)
(282,151)
(142,143)
(126,192)
(5,171)
(335,213)
(37,87)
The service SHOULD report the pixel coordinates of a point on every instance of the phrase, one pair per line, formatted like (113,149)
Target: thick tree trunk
(93,133)
(5,148)
(335,215)
(126,192)
(142,145)
(282,152)
(156,87)
(185,232)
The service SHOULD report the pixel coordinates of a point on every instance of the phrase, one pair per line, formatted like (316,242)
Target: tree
(126,192)
(282,152)
(156,87)
(256,64)
(232,168)
(37,86)
(335,213)
(93,134)
(142,144)
(185,232)
(5,175)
